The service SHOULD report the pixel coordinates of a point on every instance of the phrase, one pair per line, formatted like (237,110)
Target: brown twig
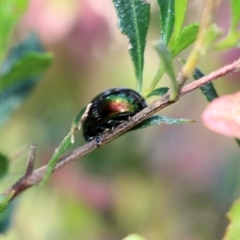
(32,178)
(31,158)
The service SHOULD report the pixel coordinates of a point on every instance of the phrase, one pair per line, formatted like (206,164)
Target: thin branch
(224,71)
(31,159)
(22,183)
(32,178)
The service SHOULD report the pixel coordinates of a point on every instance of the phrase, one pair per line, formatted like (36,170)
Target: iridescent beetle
(109,109)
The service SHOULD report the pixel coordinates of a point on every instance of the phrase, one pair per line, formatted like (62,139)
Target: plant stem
(199,46)
(36,176)
(156,79)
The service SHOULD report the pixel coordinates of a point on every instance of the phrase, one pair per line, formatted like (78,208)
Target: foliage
(4,165)
(6,216)
(19,74)
(233,232)
(10,12)
(24,62)
(133,20)
(4,201)
(20,71)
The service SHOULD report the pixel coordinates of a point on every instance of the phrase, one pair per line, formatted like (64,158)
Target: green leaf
(233,230)
(167,18)
(158,92)
(235,16)
(77,119)
(233,37)
(158,76)
(208,90)
(30,65)
(167,60)
(64,145)
(230,41)
(134,237)
(186,37)
(19,73)
(4,200)
(237,141)
(133,21)
(10,13)
(213,33)
(6,217)
(4,165)
(159,119)
(180,10)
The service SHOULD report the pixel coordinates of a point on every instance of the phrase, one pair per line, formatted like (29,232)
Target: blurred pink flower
(223,115)
(79,29)
(50,19)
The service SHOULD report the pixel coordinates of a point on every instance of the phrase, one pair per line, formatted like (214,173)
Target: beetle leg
(111,129)
(98,139)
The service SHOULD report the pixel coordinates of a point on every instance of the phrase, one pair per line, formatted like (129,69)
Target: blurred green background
(164,182)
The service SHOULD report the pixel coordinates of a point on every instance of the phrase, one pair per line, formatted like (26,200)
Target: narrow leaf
(30,65)
(233,37)
(4,165)
(78,118)
(133,21)
(65,144)
(186,37)
(159,119)
(208,90)
(19,73)
(6,217)
(4,200)
(167,60)
(167,18)
(10,13)
(180,10)
(233,230)
(213,33)
(156,79)
(158,92)
(235,16)
(232,40)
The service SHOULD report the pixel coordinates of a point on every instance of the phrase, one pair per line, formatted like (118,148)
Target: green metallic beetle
(109,109)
